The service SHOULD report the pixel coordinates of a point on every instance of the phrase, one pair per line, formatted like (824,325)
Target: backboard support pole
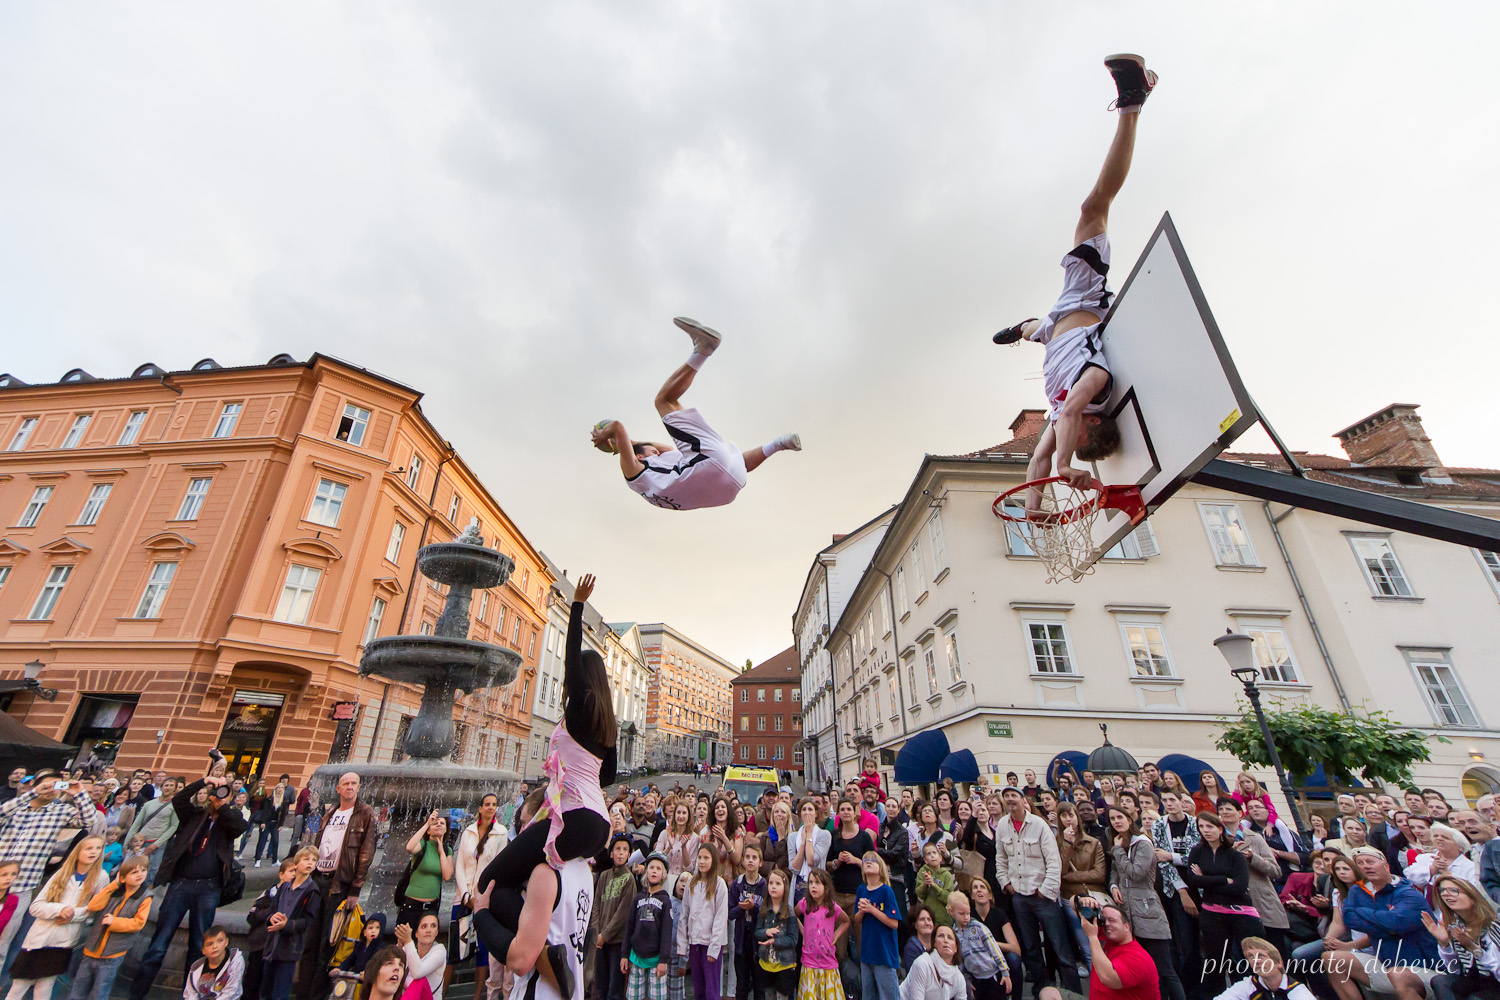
(1286,453)
(1357,505)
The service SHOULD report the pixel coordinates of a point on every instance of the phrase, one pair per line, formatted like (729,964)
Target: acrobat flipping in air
(700,468)
(1074,369)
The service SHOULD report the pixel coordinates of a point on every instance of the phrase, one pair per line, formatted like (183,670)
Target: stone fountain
(443,663)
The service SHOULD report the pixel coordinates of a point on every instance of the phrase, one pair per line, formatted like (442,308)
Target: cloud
(503,205)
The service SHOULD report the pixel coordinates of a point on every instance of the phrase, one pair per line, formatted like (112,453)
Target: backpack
(234,882)
(345,929)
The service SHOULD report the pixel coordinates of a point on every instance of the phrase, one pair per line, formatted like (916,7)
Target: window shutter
(1145,538)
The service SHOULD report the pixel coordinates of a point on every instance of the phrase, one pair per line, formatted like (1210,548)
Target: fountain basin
(461,564)
(463,664)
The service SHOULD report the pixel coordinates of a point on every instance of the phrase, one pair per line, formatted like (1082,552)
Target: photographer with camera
(1122,970)
(29,826)
(195,867)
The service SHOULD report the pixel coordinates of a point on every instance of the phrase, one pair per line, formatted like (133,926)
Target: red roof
(784,666)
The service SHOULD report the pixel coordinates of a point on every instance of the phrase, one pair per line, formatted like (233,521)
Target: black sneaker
(557,955)
(1012,334)
(1133,81)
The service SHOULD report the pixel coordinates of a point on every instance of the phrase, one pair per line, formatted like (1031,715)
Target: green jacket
(936,895)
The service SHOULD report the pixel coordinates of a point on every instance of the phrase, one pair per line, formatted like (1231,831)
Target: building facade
(627,672)
(767,703)
(198,558)
(825,592)
(952,627)
(687,701)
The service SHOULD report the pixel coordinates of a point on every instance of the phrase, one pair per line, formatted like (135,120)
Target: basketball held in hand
(601,441)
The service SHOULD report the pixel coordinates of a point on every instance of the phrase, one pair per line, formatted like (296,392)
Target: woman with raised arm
(574,822)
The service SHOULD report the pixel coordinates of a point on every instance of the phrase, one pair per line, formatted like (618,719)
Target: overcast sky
(503,205)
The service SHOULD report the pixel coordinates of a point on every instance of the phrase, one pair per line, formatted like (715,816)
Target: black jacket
(648,929)
(1226,874)
(190,822)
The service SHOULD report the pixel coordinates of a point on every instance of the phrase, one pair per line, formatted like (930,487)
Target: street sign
(999,730)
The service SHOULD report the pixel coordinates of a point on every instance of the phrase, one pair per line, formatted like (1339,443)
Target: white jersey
(570,927)
(1085,289)
(704,470)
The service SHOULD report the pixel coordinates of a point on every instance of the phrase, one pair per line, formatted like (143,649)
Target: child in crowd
(296,914)
(219,973)
(983,961)
(878,914)
(647,956)
(823,925)
(368,944)
(678,974)
(123,906)
(934,883)
(114,851)
(746,894)
(10,919)
(60,910)
(136,846)
(703,929)
(259,915)
(777,939)
(614,896)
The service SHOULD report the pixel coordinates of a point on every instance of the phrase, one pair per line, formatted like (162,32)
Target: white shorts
(704,470)
(1380,981)
(1085,284)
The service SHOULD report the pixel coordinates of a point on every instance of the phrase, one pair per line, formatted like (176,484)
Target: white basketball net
(1061,532)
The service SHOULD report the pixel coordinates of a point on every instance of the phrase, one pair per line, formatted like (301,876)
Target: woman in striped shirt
(1468,938)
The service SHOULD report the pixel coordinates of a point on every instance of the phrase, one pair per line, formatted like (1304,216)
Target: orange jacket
(123,928)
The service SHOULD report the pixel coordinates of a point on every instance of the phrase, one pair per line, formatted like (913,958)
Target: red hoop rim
(1121,498)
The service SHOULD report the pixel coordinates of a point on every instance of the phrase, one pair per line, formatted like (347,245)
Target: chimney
(1391,437)
(1028,422)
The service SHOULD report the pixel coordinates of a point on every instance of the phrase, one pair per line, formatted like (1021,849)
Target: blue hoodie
(1392,918)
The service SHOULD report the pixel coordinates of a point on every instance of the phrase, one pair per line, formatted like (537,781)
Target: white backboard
(1176,396)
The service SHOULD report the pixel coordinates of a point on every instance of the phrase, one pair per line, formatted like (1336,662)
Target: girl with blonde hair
(60,911)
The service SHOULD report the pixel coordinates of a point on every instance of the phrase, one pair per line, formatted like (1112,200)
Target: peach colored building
(198,558)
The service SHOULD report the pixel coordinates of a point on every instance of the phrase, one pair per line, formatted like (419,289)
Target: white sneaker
(705,340)
(257,863)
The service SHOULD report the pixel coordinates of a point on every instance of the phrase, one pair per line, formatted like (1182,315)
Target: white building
(546,707)
(825,592)
(628,674)
(951,626)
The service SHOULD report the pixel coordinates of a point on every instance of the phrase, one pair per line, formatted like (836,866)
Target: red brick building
(767,703)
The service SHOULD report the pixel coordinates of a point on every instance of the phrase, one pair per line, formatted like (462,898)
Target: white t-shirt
(931,978)
(333,839)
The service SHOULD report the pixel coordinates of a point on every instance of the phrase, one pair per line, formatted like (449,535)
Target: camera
(1087,908)
(61,786)
(214,755)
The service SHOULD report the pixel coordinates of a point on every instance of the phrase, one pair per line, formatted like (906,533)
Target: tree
(746,668)
(1371,746)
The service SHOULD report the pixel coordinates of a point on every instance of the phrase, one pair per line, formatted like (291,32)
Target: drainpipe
(833,688)
(1312,621)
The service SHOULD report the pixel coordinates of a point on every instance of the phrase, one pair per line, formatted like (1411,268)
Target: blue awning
(960,765)
(1316,786)
(1187,768)
(920,758)
(1075,759)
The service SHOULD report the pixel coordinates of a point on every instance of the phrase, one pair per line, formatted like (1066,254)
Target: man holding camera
(29,826)
(1121,969)
(194,867)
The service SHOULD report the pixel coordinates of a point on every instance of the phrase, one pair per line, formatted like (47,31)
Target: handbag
(234,882)
(460,934)
(968,862)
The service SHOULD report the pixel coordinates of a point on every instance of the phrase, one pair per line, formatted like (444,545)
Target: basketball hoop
(1060,530)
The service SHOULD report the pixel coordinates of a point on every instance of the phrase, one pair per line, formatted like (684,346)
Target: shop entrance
(248,731)
(99,725)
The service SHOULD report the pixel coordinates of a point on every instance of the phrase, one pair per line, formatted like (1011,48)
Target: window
(778,694)
(778,753)
(796,755)
(744,723)
(328,501)
(57,578)
(1273,655)
(903,599)
(75,433)
(744,695)
(132,429)
(228,417)
(955,668)
(35,505)
(192,500)
(22,435)
(1490,563)
(885,612)
(760,723)
(515,632)
(760,751)
(414,471)
(911,676)
(453,509)
(935,537)
(1227,534)
(352,424)
(1017,533)
(760,694)
(1147,648)
(531,645)
(297,594)
(1049,648)
(796,694)
(744,751)
(426,628)
(797,723)
(4,575)
(1139,544)
(1382,571)
(156,590)
(918,571)
(393,547)
(931,662)
(1439,681)
(372,627)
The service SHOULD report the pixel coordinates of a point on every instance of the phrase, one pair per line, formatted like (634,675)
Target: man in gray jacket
(1029,869)
(156,821)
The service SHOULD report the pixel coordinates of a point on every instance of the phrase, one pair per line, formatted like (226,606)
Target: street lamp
(1239,650)
(30,682)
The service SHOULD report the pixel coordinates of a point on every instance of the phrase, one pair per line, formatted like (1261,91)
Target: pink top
(1240,798)
(818,926)
(574,784)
